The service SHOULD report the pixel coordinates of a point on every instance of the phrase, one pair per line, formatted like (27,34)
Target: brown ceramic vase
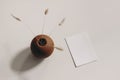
(42,46)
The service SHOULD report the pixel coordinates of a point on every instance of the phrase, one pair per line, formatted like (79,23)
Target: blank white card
(81,49)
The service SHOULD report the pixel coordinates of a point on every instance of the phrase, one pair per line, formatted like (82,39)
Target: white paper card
(81,49)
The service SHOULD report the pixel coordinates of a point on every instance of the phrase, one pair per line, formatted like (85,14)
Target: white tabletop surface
(99,18)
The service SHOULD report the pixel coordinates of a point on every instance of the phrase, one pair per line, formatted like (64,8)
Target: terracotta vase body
(42,46)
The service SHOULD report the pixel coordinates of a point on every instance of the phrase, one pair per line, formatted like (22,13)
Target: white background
(99,18)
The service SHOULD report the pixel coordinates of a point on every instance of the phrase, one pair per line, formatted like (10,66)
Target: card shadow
(25,61)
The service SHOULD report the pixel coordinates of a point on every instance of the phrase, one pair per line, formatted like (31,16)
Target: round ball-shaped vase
(42,46)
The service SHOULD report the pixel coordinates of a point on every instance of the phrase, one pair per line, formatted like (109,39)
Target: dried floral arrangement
(42,45)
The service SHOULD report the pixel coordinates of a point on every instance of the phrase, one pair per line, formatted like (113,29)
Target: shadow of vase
(25,61)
